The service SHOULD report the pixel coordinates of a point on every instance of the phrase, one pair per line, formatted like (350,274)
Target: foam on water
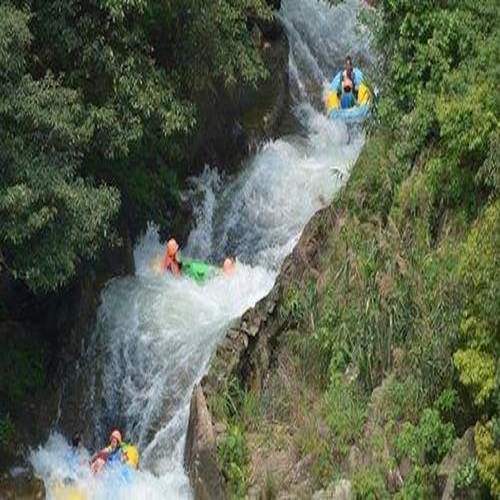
(155,334)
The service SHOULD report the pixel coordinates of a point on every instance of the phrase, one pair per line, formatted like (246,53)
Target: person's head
(229,266)
(76,440)
(115,439)
(348,63)
(172,248)
(347,85)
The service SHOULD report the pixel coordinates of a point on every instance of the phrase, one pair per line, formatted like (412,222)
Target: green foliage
(233,458)
(429,91)
(374,178)
(446,402)
(214,39)
(297,305)
(487,439)
(370,304)
(309,441)
(401,400)
(7,431)
(369,484)
(429,441)
(225,404)
(424,42)
(419,484)
(292,307)
(476,361)
(345,412)
(51,218)
(241,411)
(467,476)
(119,8)
(97,104)
(23,370)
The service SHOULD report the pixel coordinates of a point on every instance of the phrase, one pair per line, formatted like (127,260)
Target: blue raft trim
(355,114)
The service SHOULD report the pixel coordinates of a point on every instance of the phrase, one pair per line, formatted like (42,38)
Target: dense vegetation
(97,104)
(392,353)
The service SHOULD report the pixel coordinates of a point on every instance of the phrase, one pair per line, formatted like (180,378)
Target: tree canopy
(95,100)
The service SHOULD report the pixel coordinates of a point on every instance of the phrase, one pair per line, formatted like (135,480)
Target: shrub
(401,400)
(345,412)
(369,484)
(467,477)
(233,459)
(7,431)
(429,441)
(476,361)
(487,438)
(419,484)
(298,305)
(23,370)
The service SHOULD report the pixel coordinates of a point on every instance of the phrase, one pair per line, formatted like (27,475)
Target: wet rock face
(233,122)
(201,451)
(44,336)
(26,397)
(462,451)
(24,487)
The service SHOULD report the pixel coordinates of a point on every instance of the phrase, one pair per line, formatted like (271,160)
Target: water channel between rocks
(155,334)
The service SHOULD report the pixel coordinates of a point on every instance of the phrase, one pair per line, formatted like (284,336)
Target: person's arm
(164,262)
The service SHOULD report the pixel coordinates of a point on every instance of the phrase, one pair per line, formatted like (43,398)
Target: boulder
(200,455)
(463,450)
(25,487)
(355,460)
(342,490)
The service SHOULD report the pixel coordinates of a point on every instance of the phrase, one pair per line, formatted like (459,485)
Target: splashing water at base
(155,334)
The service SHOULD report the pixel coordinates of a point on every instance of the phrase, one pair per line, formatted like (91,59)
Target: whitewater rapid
(155,334)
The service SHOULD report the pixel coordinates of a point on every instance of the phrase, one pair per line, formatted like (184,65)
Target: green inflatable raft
(198,270)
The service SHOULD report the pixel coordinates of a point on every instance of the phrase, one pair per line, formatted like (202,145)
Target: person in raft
(350,77)
(347,99)
(109,454)
(198,270)
(171,260)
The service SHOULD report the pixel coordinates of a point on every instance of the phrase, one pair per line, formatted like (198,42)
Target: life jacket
(347,100)
(171,264)
(130,455)
(115,455)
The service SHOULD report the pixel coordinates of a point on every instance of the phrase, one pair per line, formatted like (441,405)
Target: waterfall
(155,334)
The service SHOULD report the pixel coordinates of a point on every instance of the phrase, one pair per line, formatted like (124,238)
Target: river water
(155,334)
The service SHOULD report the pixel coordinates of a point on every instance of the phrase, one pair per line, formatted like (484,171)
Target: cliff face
(233,122)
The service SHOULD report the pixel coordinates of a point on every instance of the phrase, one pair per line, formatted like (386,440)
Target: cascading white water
(155,334)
